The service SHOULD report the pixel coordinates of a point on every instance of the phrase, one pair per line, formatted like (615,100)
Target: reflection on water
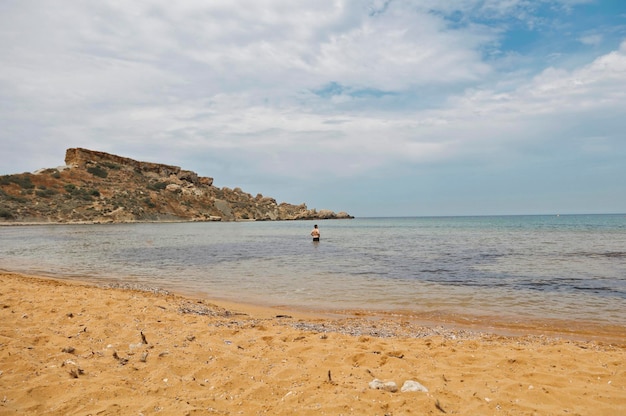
(535,266)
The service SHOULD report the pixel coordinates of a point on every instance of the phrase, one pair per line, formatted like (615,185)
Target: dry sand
(70,348)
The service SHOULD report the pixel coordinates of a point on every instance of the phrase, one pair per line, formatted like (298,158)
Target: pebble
(389,386)
(411,385)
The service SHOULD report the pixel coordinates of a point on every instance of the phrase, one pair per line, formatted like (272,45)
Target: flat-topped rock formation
(101,187)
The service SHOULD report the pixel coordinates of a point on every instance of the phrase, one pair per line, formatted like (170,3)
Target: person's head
(315,226)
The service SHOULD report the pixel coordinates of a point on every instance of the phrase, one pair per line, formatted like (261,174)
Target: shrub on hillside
(23,181)
(111,165)
(98,171)
(80,193)
(44,192)
(157,186)
(149,202)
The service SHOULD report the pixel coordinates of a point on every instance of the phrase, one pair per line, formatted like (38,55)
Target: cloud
(593,40)
(267,90)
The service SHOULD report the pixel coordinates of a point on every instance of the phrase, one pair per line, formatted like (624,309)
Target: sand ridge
(72,348)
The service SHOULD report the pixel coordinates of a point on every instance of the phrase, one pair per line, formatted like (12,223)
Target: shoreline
(585,331)
(172,221)
(69,347)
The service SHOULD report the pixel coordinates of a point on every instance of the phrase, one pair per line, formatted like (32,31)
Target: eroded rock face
(101,187)
(81,158)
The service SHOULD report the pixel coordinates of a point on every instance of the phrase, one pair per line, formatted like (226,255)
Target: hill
(98,187)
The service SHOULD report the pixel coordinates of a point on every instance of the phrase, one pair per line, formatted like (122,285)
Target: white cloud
(595,39)
(283,88)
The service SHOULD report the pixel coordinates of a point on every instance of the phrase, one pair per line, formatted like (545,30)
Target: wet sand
(75,348)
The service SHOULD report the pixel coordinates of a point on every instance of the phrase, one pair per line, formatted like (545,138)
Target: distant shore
(172,221)
(70,347)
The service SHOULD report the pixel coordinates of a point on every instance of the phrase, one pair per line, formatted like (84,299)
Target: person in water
(315,233)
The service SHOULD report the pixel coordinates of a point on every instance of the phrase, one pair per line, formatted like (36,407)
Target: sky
(376,108)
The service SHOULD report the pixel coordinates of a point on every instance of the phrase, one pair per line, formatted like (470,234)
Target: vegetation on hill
(98,187)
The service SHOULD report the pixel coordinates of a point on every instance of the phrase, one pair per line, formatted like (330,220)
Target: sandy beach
(75,348)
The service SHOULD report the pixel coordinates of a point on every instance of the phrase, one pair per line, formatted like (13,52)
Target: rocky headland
(98,187)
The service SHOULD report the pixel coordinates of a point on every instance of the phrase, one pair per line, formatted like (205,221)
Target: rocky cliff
(100,187)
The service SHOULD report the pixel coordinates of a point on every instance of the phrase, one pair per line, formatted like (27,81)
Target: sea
(569,267)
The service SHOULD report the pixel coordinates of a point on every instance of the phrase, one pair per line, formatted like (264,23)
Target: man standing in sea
(315,233)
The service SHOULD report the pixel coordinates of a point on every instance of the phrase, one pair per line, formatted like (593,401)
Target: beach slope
(73,348)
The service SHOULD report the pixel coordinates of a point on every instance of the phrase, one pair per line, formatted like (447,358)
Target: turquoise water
(563,267)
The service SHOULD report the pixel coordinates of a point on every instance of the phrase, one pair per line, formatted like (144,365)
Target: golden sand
(70,348)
